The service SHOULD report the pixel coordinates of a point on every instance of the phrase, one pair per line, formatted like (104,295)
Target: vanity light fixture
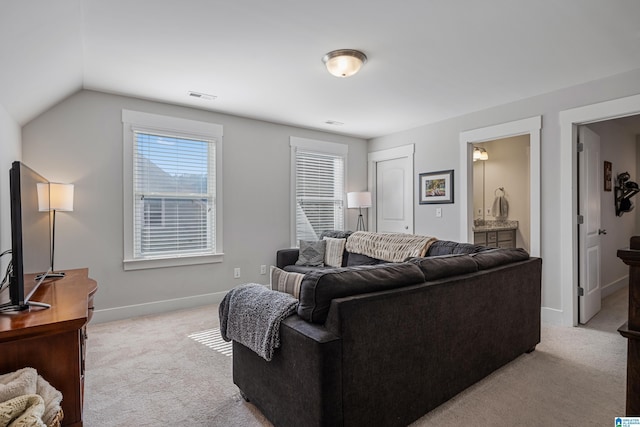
(480,154)
(344,62)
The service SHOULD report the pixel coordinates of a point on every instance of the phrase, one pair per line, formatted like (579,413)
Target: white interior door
(394,195)
(590,180)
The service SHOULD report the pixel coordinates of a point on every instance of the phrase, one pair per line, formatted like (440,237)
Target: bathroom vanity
(495,233)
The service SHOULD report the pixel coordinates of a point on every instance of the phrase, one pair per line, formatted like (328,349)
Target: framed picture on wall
(436,187)
(607,176)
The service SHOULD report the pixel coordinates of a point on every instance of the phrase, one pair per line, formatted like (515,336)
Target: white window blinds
(319,193)
(174,191)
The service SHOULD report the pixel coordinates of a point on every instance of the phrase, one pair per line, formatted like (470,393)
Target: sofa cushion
(312,253)
(360,259)
(334,251)
(318,288)
(439,267)
(495,257)
(447,247)
(305,269)
(285,281)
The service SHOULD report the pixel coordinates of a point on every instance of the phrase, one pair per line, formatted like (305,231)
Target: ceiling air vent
(202,96)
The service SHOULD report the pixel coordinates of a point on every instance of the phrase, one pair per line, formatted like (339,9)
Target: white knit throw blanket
(391,247)
(30,394)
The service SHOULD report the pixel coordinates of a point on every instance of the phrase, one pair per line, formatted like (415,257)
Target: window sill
(141,264)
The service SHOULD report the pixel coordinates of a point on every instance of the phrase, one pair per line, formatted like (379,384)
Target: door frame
(569,122)
(530,126)
(404,151)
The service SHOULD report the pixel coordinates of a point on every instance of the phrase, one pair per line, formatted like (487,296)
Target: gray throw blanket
(251,314)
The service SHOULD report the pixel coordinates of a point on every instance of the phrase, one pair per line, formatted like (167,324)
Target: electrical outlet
(263,269)
(236,273)
(438,212)
(479,211)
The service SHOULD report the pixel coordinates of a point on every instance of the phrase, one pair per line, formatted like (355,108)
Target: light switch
(438,212)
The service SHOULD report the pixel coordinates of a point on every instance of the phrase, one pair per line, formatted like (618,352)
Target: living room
(63,90)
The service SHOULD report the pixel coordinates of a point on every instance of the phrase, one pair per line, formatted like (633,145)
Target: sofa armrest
(302,384)
(286,257)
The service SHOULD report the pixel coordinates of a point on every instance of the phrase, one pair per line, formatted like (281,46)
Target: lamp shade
(59,197)
(344,62)
(360,199)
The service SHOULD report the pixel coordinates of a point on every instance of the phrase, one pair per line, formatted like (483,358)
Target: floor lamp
(60,199)
(361,199)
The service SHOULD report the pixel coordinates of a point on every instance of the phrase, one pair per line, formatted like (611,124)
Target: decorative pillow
(284,281)
(312,253)
(333,252)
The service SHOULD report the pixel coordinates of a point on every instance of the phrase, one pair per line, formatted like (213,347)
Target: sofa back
(318,288)
(447,247)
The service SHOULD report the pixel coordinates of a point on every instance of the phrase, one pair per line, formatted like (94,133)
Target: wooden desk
(52,340)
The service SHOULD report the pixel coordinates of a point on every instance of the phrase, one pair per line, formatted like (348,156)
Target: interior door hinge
(580,291)
(580,147)
(580,219)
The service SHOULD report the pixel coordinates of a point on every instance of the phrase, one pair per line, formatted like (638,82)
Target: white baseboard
(552,316)
(614,286)
(128,311)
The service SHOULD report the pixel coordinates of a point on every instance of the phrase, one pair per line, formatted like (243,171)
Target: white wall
(437,147)
(618,146)
(80,141)
(507,167)
(10,150)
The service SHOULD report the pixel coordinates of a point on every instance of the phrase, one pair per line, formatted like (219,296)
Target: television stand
(53,341)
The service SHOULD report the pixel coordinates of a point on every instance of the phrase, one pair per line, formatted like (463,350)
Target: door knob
(601,231)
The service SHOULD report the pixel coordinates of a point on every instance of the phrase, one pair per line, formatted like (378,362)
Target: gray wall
(80,141)
(10,150)
(437,147)
(618,146)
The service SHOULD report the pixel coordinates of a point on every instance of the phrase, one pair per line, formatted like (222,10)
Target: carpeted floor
(166,370)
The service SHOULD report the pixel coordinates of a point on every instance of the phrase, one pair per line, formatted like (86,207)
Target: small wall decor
(436,187)
(625,190)
(607,176)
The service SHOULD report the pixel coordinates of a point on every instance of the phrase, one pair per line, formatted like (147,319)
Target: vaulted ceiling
(428,59)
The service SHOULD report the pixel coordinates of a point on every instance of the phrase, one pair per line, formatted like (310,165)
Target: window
(318,179)
(172,196)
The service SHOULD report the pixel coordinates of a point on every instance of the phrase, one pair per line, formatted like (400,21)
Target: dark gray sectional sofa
(384,344)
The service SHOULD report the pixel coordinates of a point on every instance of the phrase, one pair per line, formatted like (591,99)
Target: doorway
(569,124)
(606,227)
(501,187)
(530,127)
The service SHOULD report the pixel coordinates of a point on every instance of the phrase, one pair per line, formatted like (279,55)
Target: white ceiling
(428,59)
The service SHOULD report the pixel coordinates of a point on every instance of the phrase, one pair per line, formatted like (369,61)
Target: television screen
(30,232)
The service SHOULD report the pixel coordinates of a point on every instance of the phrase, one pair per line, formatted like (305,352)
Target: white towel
(500,209)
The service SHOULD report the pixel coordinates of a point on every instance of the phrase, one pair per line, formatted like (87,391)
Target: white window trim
(319,147)
(180,127)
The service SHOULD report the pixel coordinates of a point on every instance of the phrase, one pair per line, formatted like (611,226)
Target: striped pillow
(334,251)
(285,281)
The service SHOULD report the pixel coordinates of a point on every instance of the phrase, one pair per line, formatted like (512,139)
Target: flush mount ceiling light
(344,62)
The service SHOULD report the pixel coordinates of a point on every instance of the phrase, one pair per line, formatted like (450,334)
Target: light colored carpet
(148,371)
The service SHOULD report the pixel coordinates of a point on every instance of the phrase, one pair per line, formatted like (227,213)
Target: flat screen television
(30,236)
